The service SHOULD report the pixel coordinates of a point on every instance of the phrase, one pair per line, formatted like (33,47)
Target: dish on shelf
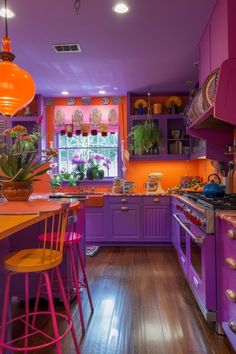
(113,117)
(209,89)
(140,102)
(95,116)
(59,119)
(77,117)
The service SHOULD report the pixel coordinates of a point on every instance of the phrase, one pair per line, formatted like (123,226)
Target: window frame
(106,180)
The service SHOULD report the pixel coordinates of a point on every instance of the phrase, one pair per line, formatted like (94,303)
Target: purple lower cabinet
(226,301)
(156,219)
(95,225)
(125,222)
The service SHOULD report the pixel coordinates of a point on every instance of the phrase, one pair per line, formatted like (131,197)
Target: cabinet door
(125,222)
(95,225)
(204,56)
(219,34)
(156,224)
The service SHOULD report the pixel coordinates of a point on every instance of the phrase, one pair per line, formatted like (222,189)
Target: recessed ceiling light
(65,93)
(121,8)
(102,92)
(9,13)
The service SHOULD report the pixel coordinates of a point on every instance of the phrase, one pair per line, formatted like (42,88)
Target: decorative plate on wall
(59,119)
(140,102)
(70,101)
(95,116)
(105,100)
(77,117)
(113,117)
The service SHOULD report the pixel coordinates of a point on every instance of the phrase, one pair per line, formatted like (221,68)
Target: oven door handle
(199,240)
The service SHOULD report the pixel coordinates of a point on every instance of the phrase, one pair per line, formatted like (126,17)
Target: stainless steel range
(209,206)
(193,228)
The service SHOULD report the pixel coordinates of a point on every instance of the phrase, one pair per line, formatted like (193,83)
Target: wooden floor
(142,306)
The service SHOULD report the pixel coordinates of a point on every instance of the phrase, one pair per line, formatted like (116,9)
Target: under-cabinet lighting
(201,157)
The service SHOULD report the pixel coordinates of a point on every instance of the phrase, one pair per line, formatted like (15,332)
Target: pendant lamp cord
(76,5)
(6,26)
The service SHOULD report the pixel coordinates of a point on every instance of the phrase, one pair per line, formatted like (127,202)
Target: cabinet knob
(156,200)
(232,326)
(124,200)
(230,262)
(231,234)
(124,208)
(230,295)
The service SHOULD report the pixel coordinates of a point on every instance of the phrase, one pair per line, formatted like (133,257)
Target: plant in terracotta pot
(20,167)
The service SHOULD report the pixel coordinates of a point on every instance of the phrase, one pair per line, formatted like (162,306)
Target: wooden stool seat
(31,260)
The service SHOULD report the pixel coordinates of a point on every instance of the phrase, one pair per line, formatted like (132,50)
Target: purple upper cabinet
(204,55)
(226,263)
(218,40)
(219,49)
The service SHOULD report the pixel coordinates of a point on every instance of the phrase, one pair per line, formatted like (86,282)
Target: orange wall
(136,171)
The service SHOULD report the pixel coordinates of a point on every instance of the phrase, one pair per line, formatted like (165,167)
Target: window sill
(92,182)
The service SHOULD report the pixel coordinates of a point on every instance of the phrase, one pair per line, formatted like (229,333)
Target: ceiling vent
(67,48)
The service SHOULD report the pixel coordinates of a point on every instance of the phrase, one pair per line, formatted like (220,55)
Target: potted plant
(144,136)
(80,166)
(95,170)
(20,166)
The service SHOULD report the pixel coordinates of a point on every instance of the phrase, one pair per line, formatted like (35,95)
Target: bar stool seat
(30,260)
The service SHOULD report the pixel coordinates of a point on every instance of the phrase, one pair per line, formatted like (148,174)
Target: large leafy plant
(21,163)
(144,136)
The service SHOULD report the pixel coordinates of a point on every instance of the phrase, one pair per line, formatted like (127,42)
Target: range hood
(214,105)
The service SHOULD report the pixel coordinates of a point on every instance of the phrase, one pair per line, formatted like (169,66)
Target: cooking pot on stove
(212,189)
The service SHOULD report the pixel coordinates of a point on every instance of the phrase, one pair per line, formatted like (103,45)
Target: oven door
(181,237)
(200,252)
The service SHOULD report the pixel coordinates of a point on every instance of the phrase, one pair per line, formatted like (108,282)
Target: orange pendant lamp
(17,88)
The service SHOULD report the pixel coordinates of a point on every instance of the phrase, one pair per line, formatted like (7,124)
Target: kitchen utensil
(223,168)
(216,165)
(231,166)
(213,189)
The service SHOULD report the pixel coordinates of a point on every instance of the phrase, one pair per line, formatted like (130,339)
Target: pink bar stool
(40,261)
(73,237)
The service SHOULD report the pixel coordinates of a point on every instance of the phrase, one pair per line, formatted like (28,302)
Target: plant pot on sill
(16,191)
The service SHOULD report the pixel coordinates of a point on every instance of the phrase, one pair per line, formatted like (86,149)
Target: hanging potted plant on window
(145,135)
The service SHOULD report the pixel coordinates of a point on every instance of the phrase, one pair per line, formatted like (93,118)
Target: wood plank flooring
(143,305)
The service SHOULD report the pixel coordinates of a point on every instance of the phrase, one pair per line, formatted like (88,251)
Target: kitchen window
(86,147)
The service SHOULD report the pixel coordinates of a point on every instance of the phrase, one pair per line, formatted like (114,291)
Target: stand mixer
(153,185)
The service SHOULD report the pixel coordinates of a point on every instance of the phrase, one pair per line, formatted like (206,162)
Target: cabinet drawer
(229,236)
(123,200)
(156,200)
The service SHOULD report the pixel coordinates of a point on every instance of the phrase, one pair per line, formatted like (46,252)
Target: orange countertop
(15,216)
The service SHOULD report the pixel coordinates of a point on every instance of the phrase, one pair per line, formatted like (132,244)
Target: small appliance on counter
(153,185)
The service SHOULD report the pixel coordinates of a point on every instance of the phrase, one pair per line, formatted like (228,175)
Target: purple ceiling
(153,47)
